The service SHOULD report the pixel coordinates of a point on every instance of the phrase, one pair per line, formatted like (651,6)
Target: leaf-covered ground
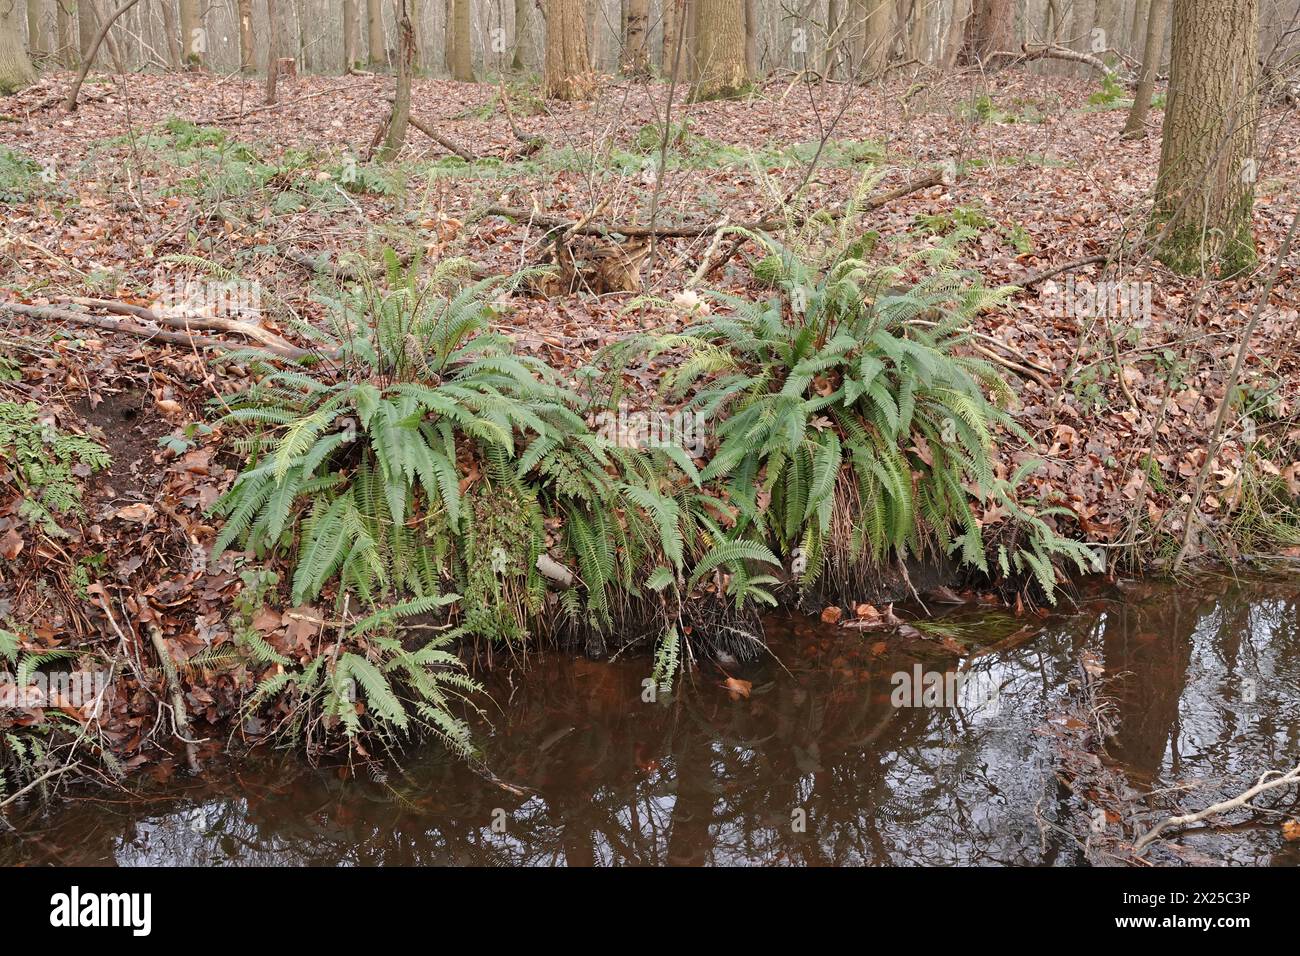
(152,167)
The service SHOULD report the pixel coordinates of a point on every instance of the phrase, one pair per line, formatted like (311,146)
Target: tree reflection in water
(708,779)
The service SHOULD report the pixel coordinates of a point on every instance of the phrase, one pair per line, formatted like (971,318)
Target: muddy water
(814,766)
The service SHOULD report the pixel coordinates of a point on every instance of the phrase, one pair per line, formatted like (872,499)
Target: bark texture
(567,73)
(1205,190)
(720,49)
(16,70)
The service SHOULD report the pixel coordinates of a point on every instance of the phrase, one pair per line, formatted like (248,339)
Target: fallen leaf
(737,688)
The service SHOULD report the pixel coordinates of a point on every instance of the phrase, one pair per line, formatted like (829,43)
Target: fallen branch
(57,771)
(1282,780)
(209,323)
(441,140)
(180,717)
(1030,279)
(52,314)
(1051,51)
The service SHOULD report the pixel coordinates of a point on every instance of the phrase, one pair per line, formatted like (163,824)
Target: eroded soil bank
(802,758)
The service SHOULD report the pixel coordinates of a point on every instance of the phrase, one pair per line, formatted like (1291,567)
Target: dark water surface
(715,777)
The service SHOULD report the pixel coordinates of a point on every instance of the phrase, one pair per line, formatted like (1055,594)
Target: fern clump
(372,685)
(851,426)
(39,461)
(357,462)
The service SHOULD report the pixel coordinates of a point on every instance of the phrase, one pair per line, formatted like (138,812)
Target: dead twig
(1187,819)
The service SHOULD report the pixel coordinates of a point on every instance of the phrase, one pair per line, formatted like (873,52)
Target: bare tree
(395,137)
(247,54)
(193,39)
(375,32)
(1152,50)
(272,51)
(35,28)
(351,35)
(461,51)
(523,14)
(16,70)
(567,73)
(636,47)
(1205,189)
(719,49)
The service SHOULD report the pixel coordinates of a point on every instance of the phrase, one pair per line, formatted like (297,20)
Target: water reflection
(814,767)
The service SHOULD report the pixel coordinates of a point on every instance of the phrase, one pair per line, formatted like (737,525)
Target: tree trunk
(567,73)
(752,65)
(193,40)
(875,37)
(991,27)
(1108,17)
(720,49)
(462,49)
(523,14)
(247,53)
(1136,34)
(636,45)
(351,35)
(955,38)
(170,28)
(674,12)
(35,31)
(831,55)
(375,32)
(16,70)
(1205,189)
(87,24)
(919,46)
(1152,50)
(272,51)
(401,117)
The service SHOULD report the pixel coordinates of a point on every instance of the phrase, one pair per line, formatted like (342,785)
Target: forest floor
(1120,412)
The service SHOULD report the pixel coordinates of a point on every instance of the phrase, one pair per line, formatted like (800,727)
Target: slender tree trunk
(1137,31)
(272,51)
(523,14)
(35,28)
(462,49)
(831,55)
(247,53)
(1152,50)
(375,32)
(567,73)
(720,49)
(1108,18)
(875,38)
(351,35)
(170,28)
(752,64)
(673,12)
(636,46)
(956,34)
(16,70)
(87,24)
(1205,189)
(397,123)
(193,40)
(919,47)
